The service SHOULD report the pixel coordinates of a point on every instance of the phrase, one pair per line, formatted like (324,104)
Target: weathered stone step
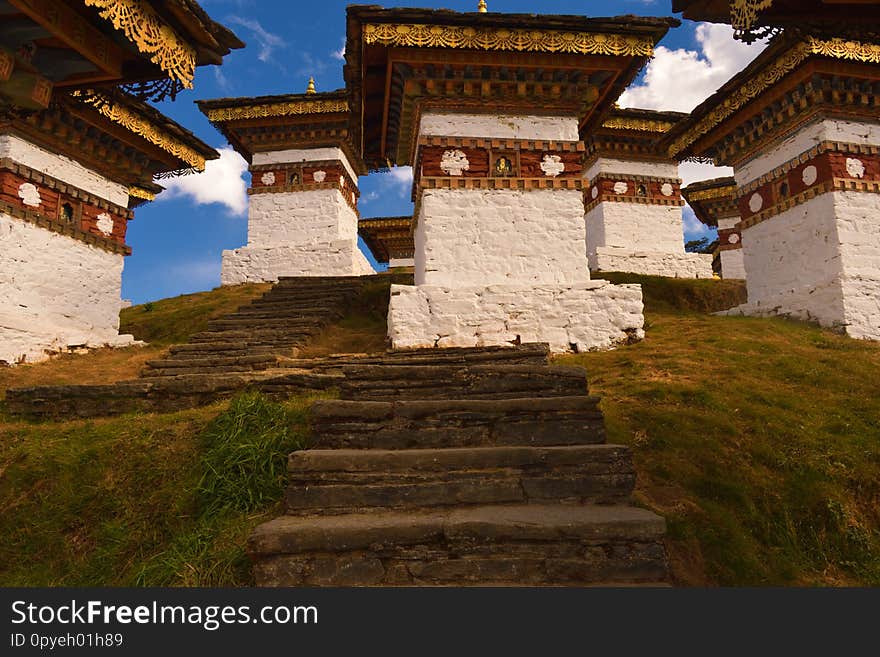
(254,336)
(284,308)
(527,354)
(547,421)
(529,545)
(187,360)
(267,323)
(157,394)
(494,381)
(219,348)
(348,481)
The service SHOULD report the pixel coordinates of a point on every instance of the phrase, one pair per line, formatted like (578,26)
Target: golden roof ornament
(311,88)
(482,8)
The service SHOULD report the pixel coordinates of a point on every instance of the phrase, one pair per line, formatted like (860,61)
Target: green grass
(147,500)
(171,321)
(758,440)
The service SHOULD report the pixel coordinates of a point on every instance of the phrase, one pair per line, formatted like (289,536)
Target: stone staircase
(241,350)
(460,467)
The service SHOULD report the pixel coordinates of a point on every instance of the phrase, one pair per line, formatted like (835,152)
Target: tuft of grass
(244,453)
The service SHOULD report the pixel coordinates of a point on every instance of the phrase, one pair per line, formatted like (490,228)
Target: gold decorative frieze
(143,128)
(642,125)
(151,35)
(509,39)
(770,75)
(141,193)
(296,108)
(712,194)
(744,13)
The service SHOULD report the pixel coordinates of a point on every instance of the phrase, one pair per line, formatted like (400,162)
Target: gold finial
(311,87)
(482,8)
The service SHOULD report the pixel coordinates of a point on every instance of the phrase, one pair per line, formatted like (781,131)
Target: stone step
(266,324)
(287,316)
(529,545)
(284,308)
(494,381)
(158,394)
(527,354)
(187,360)
(349,481)
(255,336)
(219,349)
(547,421)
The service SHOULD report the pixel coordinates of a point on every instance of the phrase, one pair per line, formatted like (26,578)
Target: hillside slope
(759,440)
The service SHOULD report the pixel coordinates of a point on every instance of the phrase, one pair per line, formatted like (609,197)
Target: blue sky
(178,239)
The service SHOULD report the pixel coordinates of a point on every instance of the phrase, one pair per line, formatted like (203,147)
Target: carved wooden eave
(712,199)
(271,123)
(153,46)
(400,62)
(792,82)
(632,133)
(388,237)
(752,19)
(122,139)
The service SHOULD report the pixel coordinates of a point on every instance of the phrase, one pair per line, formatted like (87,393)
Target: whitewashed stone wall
(495,237)
(553,128)
(651,263)
(819,262)
(401,262)
(732,264)
(582,316)
(306,233)
(637,227)
(56,293)
(266,264)
(287,218)
(496,267)
(639,238)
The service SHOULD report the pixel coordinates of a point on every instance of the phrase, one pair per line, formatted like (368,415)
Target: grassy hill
(759,440)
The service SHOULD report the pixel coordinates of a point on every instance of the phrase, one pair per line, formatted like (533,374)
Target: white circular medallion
(855,167)
(809,175)
(621,187)
(29,194)
(319,176)
(595,192)
(733,238)
(756,202)
(666,189)
(268,178)
(105,224)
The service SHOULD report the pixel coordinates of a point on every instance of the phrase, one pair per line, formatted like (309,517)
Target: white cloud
(266,41)
(340,54)
(221,182)
(691,172)
(679,80)
(397,180)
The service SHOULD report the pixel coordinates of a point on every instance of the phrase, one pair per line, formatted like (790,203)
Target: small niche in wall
(66,213)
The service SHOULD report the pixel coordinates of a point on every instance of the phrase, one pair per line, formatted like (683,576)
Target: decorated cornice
(642,125)
(151,35)
(744,13)
(143,128)
(296,108)
(141,193)
(770,75)
(712,194)
(509,39)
